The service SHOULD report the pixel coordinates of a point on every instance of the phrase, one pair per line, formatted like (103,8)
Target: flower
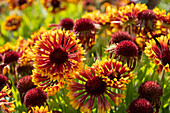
(3,81)
(19,4)
(12,22)
(114,73)
(66,23)
(85,30)
(58,52)
(150,90)
(149,19)
(44,82)
(4,104)
(54,6)
(159,51)
(119,36)
(23,85)
(125,50)
(87,86)
(35,97)
(11,56)
(140,105)
(41,109)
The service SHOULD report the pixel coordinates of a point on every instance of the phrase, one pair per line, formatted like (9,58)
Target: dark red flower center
(147,15)
(166,57)
(12,22)
(127,49)
(22,2)
(95,86)
(55,3)
(11,56)
(113,75)
(58,56)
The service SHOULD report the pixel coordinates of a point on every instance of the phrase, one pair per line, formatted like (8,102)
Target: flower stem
(162,81)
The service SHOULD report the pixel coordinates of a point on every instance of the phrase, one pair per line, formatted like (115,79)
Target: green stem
(162,81)
(64,97)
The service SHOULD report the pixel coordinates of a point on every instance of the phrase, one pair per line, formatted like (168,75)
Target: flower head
(11,56)
(85,30)
(51,86)
(41,109)
(114,73)
(3,81)
(19,4)
(54,6)
(150,90)
(159,50)
(58,52)
(66,23)
(4,104)
(125,50)
(12,23)
(87,86)
(24,84)
(140,105)
(119,36)
(35,97)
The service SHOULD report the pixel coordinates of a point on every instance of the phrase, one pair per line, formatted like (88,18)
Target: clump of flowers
(12,22)
(151,91)
(24,84)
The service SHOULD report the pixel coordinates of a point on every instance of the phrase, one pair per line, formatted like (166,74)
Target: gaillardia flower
(66,23)
(114,73)
(140,105)
(150,90)
(88,86)
(85,30)
(159,52)
(19,4)
(53,6)
(44,82)
(41,109)
(24,84)
(58,52)
(3,81)
(12,22)
(119,36)
(4,104)
(125,51)
(11,56)
(148,18)
(35,97)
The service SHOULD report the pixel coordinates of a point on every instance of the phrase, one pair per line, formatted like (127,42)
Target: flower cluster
(64,59)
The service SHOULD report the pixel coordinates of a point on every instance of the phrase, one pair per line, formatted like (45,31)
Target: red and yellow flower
(58,52)
(4,104)
(44,82)
(54,6)
(19,4)
(159,51)
(88,86)
(12,22)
